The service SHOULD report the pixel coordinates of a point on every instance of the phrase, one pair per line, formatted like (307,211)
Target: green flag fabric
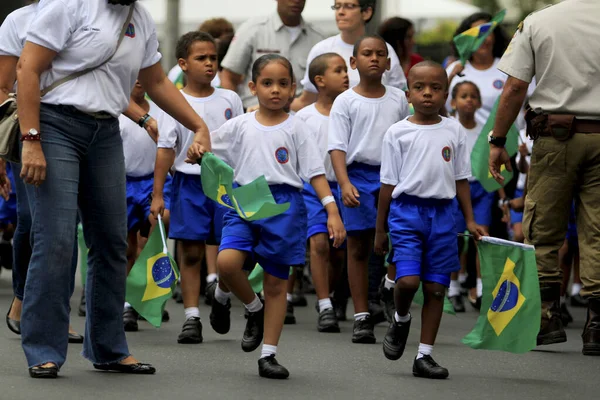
(470,40)
(252,202)
(481,154)
(510,315)
(152,279)
(256,278)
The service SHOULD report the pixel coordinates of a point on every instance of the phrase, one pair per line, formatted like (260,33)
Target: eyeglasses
(347,6)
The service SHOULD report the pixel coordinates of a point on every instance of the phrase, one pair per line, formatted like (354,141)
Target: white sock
(361,315)
(325,304)
(479,287)
(211,278)
(289,297)
(255,306)
(563,300)
(454,289)
(268,350)
(389,284)
(462,278)
(192,312)
(221,296)
(127,305)
(576,288)
(400,319)
(424,350)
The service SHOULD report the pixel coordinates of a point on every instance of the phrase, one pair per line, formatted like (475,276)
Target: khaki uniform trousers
(561,171)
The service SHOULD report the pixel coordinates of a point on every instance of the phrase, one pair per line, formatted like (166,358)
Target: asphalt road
(322,366)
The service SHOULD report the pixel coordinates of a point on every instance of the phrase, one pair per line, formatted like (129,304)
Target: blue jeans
(85,168)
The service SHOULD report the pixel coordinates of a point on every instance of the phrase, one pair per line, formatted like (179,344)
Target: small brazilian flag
(152,278)
(470,40)
(510,315)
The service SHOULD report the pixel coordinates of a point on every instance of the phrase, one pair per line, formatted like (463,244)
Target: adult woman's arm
(34,60)
(164,93)
(8,75)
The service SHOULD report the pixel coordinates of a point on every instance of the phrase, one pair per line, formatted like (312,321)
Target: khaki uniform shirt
(266,35)
(560,46)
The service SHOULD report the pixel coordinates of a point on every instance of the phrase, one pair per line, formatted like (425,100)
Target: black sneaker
(191,332)
(130,319)
(165,316)
(220,319)
(209,295)
(339,307)
(177,295)
(363,331)
(327,321)
(81,309)
(253,334)
(290,318)
(377,312)
(387,297)
(395,339)
(457,303)
(268,367)
(426,367)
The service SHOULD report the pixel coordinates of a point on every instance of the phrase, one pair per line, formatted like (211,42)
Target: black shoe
(177,295)
(253,334)
(44,373)
(327,321)
(395,339)
(165,316)
(209,295)
(130,319)
(578,301)
(457,303)
(299,300)
(81,309)
(377,313)
(137,368)
(290,318)
(75,338)
(339,307)
(387,297)
(551,326)
(363,331)
(475,303)
(13,324)
(268,367)
(565,315)
(426,367)
(220,318)
(191,332)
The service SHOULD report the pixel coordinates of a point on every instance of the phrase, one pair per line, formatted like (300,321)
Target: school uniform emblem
(228,114)
(498,84)
(282,155)
(447,154)
(130,32)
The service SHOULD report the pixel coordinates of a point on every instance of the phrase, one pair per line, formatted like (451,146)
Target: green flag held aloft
(252,202)
(470,40)
(510,315)
(153,278)
(481,154)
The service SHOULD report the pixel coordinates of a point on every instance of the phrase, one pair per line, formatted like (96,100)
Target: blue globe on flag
(507,298)
(162,272)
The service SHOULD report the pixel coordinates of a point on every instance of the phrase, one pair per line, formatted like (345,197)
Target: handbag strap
(77,74)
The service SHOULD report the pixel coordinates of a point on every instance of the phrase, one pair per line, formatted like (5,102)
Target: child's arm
(463,194)
(164,161)
(349,193)
(383,210)
(337,232)
(523,165)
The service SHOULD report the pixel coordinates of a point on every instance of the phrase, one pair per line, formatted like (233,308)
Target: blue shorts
(516,217)
(317,216)
(193,215)
(8,208)
(423,236)
(276,243)
(139,199)
(366,179)
(482,203)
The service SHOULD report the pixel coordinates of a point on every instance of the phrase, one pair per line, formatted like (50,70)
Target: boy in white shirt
(329,73)
(358,121)
(424,165)
(195,219)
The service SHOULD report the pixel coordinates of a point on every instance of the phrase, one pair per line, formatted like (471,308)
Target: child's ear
(182,64)
(408,96)
(252,87)
(320,82)
(388,64)
(353,62)
(293,88)
(452,103)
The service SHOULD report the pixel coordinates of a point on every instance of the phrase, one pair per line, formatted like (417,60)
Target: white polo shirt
(425,160)
(85,34)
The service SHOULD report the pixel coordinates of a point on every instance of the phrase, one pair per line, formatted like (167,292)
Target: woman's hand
(33,163)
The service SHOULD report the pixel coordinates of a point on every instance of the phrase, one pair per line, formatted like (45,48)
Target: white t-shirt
(215,110)
(357,123)
(13,31)
(425,160)
(394,77)
(319,125)
(85,34)
(527,140)
(138,146)
(176,72)
(285,154)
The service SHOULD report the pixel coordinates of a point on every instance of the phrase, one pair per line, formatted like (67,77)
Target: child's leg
(191,253)
(230,265)
(275,309)
(404,292)
(394,342)
(431,315)
(359,249)
(320,257)
(211,262)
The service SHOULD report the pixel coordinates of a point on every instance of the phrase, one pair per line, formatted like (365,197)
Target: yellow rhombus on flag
(507,302)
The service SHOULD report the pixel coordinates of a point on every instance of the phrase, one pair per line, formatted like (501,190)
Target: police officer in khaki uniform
(560,46)
(284,32)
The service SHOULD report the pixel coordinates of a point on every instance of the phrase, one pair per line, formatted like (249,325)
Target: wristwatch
(496,141)
(33,134)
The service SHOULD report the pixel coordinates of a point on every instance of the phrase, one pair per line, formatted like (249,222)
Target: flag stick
(162,235)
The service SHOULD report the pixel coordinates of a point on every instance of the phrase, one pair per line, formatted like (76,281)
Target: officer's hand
(498,157)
